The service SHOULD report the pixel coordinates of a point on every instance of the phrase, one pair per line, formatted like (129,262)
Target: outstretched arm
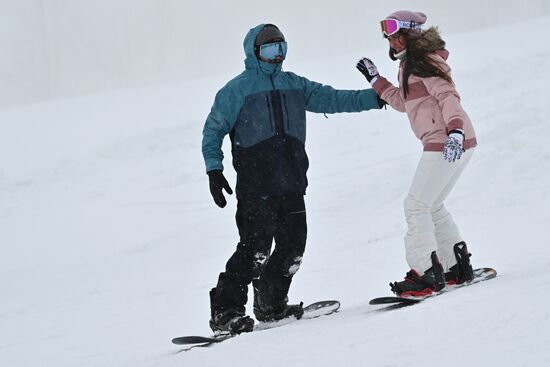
(326,99)
(386,90)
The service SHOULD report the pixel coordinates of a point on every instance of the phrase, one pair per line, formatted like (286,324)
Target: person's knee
(260,260)
(294,265)
(414,206)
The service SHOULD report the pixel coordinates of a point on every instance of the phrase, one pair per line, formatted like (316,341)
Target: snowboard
(480,275)
(311,311)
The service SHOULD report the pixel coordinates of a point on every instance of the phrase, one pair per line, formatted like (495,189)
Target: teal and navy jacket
(264,111)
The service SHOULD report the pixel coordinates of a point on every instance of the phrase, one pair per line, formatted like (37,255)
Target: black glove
(217,183)
(368,69)
(381,102)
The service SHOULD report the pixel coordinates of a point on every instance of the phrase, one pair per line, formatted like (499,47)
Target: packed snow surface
(110,241)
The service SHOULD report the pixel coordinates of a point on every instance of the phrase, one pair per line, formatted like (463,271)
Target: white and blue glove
(453,149)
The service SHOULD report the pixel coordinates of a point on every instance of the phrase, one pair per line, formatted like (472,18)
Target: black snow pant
(260,221)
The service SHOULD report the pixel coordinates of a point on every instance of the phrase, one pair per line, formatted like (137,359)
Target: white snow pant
(430,225)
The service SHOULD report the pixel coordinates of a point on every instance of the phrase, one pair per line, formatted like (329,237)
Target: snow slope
(109,239)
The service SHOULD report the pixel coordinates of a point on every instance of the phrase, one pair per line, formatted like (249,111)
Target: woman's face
(398,42)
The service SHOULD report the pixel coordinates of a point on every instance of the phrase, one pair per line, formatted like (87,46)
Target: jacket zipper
(277,108)
(272,82)
(287,115)
(269,113)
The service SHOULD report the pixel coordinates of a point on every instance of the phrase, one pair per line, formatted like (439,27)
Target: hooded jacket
(432,104)
(264,111)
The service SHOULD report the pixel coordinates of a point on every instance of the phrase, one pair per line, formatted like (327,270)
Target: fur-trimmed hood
(421,43)
(428,41)
(419,59)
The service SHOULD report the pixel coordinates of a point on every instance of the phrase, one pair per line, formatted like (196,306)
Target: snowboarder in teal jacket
(264,111)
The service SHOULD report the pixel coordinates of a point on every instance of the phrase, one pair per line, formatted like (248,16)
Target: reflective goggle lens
(271,51)
(389,26)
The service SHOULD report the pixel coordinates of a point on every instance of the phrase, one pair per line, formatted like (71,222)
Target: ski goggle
(392,26)
(273,51)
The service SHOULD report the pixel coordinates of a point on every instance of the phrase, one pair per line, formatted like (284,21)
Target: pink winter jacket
(432,105)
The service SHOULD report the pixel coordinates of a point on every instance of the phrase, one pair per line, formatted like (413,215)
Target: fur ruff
(429,41)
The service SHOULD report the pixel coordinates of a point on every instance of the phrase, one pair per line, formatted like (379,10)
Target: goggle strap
(409,25)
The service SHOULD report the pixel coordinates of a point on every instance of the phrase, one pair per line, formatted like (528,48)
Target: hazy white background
(52,48)
(110,240)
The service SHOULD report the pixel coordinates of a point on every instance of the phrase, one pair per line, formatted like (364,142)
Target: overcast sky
(54,48)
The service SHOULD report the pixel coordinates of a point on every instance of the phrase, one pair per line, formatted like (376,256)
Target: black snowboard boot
(267,312)
(232,323)
(416,285)
(228,320)
(462,271)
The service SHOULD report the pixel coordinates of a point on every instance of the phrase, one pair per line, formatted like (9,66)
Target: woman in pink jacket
(436,253)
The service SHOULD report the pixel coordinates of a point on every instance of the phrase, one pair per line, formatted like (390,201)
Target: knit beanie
(409,16)
(269,33)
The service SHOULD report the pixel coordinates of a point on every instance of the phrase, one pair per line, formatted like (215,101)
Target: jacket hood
(251,62)
(428,41)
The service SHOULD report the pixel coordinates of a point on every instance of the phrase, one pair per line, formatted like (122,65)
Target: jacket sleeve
(325,99)
(390,93)
(219,123)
